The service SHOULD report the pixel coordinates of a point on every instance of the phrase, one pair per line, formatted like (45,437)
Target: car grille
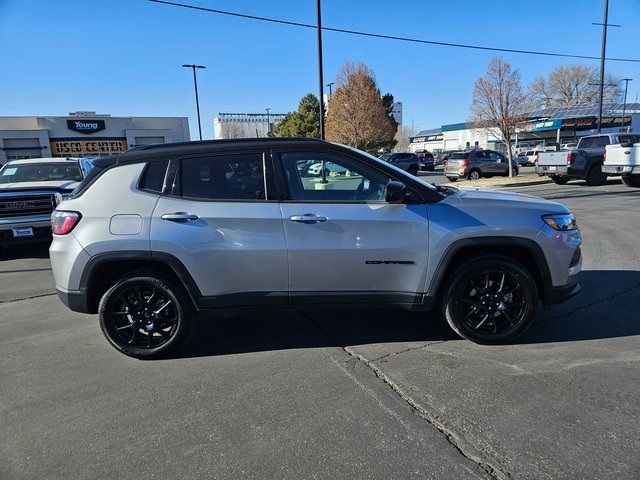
(26,205)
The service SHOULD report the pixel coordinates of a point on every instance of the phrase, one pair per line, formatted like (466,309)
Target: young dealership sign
(85,125)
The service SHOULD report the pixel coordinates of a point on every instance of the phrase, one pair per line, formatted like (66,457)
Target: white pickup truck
(623,159)
(582,162)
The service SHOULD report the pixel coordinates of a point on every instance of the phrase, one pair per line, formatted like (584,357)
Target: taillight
(62,222)
(571,157)
(464,163)
(445,163)
(604,158)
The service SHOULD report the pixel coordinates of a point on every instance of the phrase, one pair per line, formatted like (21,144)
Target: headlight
(562,221)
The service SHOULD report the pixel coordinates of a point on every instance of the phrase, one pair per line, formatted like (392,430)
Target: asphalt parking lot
(340,394)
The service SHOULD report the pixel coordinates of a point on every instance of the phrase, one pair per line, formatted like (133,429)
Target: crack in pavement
(589,305)
(27,298)
(464,447)
(391,354)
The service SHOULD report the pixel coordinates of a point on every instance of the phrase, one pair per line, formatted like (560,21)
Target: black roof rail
(220,141)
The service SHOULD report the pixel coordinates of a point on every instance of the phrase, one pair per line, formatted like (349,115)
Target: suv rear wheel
(144,316)
(413,170)
(473,175)
(490,300)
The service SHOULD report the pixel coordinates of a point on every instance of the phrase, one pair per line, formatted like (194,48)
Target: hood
(470,196)
(57,185)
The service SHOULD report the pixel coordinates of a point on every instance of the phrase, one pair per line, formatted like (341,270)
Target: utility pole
(624,105)
(603,51)
(195,85)
(268,123)
(320,74)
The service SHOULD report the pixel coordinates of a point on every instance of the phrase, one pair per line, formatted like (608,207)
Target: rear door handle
(308,218)
(179,216)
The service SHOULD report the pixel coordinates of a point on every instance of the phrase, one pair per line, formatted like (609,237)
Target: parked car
(623,159)
(409,162)
(160,233)
(583,162)
(331,170)
(29,191)
(474,164)
(427,160)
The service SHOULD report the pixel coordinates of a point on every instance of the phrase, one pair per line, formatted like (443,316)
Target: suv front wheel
(490,300)
(144,316)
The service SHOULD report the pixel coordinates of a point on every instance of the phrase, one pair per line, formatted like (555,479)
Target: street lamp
(320,74)
(268,124)
(330,85)
(195,84)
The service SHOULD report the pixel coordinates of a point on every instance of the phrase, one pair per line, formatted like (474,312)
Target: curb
(503,185)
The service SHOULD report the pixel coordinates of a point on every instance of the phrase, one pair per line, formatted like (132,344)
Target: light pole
(320,74)
(195,85)
(603,51)
(624,105)
(268,124)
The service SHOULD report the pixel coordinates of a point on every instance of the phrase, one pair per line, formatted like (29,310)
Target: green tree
(303,122)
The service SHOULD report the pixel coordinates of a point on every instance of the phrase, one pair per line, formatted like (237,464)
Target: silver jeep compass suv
(160,233)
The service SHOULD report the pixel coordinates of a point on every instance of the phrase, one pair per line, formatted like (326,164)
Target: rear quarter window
(459,156)
(152,179)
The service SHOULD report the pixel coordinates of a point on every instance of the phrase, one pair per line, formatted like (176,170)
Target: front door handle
(179,216)
(308,218)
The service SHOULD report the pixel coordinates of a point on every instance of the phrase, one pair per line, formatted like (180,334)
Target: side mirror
(396,192)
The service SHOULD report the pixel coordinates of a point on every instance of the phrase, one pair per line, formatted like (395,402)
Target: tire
(631,180)
(146,293)
(453,179)
(490,323)
(559,180)
(413,170)
(595,176)
(474,175)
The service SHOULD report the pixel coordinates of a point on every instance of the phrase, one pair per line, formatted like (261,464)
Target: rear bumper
(75,300)
(620,169)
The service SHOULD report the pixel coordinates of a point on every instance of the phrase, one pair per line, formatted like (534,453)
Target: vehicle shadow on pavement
(265,330)
(31,250)
(607,307)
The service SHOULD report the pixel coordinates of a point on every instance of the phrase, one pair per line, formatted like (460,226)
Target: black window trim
(144,173)
(175,190)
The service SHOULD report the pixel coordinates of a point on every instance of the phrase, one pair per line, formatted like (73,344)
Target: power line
(389,37)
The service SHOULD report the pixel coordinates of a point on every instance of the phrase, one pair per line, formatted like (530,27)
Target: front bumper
(41,225)
(556,295)
(620,169)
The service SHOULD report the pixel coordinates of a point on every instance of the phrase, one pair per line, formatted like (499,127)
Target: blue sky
(123,57)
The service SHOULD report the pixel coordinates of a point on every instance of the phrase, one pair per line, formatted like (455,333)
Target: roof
(31,161)
(574,111)
(430,131)
(181,148)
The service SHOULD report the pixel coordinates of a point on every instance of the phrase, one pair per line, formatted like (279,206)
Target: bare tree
(235,130)
(402,138)
(357,116)
(498,103)
(573,85)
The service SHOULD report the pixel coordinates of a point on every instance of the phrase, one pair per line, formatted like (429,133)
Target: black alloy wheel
(144,316)
(490,300)
(631,180)
(595,176)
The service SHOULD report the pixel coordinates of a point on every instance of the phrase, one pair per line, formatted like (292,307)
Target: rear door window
(225,177)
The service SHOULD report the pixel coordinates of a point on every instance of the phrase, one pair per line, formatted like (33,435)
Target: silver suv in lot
(160,233)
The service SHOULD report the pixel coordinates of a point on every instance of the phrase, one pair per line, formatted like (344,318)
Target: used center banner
(71,147)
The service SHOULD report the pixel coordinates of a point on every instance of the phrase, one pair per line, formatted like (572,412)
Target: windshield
(40,172)
(387,165)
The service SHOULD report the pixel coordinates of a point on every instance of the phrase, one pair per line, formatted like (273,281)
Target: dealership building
(547,126)
(84,134)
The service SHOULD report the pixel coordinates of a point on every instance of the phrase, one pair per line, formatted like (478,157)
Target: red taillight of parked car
(444,164)
(464,163)
(571,157)
(604,158)
(62,222)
